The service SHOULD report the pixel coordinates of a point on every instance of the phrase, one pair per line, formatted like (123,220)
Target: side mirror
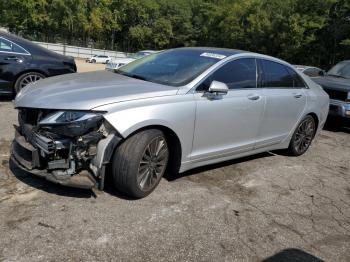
(218,88)
(322,73)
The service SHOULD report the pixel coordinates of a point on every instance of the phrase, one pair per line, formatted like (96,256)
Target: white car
(104,59)
(143,53)
(118,62)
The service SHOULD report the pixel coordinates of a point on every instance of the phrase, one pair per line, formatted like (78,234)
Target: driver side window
(237,74)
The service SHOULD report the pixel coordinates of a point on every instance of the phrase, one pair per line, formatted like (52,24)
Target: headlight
(71,123)
(64,117)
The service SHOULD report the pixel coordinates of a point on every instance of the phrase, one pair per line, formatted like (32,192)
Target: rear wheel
(303,136)
(27,79)
(140,162)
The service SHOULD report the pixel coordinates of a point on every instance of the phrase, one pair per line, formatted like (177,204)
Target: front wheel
(303,136)
(140,162)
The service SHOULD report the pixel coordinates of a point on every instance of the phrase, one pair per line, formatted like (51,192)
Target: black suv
(23,62)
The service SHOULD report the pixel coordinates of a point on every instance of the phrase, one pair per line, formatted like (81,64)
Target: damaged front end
(71,148)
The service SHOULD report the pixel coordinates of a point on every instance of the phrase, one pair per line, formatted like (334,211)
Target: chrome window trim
(17,53)
(191,87)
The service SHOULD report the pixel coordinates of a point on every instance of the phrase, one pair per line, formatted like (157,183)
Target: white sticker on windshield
(213,55)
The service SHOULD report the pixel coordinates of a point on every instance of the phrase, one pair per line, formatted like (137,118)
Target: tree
(307,32)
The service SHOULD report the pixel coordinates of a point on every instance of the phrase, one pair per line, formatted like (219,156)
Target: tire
(93,61)
(26,79)
(303,136)
(106,62)
(137,168)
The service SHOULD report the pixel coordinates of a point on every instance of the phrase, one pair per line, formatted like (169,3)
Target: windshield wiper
(338,76)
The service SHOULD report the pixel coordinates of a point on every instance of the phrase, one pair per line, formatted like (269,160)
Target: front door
(228,124)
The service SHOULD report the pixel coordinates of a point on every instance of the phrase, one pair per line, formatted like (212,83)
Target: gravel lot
(265,206)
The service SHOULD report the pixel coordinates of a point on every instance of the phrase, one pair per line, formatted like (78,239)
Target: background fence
(79,52)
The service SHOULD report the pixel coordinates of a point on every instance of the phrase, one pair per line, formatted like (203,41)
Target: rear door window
(275,75)
(8,46)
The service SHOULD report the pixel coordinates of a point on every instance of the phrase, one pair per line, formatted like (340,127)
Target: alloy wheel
(304,135)
(28,79)
(153,163)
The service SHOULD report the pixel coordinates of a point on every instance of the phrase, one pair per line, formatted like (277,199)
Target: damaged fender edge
(105,150)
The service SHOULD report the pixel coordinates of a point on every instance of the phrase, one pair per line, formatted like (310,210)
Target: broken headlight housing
(71,123)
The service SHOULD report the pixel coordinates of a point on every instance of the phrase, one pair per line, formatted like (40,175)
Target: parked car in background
(337,84)
(310,71)
(23,62)
(118,62)
(142,53)
(103,59)
(174,110)
(114,64)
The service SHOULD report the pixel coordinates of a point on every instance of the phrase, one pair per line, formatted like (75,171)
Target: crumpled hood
(85,91)
(334,83)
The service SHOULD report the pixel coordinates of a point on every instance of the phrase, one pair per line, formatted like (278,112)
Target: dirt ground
(268,206)
(82,66)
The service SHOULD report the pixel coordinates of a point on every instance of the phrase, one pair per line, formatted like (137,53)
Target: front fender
(174,112)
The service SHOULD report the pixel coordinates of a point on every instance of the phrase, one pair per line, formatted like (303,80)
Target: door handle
(12,58)
(297,95)
(253,97)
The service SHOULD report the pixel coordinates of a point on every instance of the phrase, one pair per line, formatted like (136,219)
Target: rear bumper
(27,158)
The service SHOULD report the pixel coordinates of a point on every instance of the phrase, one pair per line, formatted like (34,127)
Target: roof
(221,51)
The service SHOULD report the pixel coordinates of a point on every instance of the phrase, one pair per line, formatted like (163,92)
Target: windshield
(341,69)
(174,67)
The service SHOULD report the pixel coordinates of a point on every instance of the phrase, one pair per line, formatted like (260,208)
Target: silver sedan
(168,112)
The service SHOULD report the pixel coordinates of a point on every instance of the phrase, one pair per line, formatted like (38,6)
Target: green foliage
(313,32)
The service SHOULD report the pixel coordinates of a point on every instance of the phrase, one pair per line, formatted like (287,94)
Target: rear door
(285,101)
(13,59)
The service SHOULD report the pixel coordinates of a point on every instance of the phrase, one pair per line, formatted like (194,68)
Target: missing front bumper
(82,179)
(31,156)
(27,157)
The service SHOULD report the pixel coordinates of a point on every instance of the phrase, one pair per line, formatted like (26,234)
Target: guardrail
(79,52)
